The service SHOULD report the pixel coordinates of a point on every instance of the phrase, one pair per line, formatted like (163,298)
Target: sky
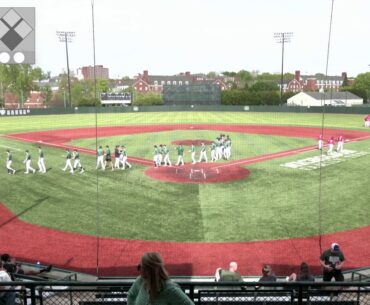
(167,37)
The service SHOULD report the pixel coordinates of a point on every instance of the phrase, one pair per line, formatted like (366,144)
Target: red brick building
(87,72)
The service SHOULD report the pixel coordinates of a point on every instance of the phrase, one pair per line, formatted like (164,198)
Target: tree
(264,86)
(212,75)
(150,98)
(362,83)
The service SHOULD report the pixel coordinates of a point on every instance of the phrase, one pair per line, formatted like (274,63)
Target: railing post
(33,295)
(300,295)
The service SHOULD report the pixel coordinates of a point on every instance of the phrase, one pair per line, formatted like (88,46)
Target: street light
(67,37)
(282,37)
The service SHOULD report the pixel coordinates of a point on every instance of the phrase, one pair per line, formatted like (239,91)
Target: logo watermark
(17,35)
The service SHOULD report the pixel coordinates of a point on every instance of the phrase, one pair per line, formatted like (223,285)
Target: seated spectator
(7,297)
(230,275)
(16,268)
(153,286)
(267,274)
(304,274)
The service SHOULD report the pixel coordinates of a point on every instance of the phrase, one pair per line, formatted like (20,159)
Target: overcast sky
(167,37)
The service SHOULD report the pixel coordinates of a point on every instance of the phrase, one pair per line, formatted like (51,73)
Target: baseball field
(277,200)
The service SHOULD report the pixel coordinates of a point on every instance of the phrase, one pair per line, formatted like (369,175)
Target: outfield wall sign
(17,35)
(14,112)
(324,160)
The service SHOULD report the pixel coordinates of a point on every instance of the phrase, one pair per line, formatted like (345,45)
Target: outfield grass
(273,203)
(29,123)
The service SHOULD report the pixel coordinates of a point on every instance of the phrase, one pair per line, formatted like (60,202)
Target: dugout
(194,94)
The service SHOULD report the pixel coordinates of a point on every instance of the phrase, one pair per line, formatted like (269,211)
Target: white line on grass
(12,148)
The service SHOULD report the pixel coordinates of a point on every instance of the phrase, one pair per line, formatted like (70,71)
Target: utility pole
(282,37)
(67,37)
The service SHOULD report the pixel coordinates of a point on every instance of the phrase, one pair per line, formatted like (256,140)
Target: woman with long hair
(153,286)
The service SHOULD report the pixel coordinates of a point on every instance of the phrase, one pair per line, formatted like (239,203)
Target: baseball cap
(335,247)
(266,268)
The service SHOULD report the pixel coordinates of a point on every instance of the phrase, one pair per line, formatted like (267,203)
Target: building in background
(87,72)
(335,99)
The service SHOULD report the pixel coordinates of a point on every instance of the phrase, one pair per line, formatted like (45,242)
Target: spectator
(153,286)
(267,274)
(230,275)
(12,267)
(304,274)
(7,297)
(332,260)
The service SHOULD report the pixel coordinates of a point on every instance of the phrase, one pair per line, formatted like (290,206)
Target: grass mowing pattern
(274,203)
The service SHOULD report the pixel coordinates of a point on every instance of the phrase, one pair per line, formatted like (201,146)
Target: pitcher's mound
(198,173)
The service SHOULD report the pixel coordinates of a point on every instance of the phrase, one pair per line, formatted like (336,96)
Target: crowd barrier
(365,109)
(202,293)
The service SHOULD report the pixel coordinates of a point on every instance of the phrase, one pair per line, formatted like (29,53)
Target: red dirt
(120,257)
(191,142)
(199,173)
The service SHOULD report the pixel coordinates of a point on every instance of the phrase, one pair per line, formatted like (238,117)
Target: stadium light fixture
(283,38)
(67,37)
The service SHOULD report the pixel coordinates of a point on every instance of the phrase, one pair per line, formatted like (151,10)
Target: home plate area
(199,173)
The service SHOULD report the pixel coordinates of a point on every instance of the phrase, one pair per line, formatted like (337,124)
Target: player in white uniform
(192,151)
(9,162)
(100,158)
(77,161)
(166,159)
(203,154)
(28,162)
(68,162)
(320,143)
(331,146)
(41,162)
(340,144)
(124,158)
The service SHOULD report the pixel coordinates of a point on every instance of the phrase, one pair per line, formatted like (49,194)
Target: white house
(345,98)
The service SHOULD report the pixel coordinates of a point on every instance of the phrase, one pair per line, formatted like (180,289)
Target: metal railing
(202,293)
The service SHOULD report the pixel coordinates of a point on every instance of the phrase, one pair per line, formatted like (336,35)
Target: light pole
(282,37)
(67,37)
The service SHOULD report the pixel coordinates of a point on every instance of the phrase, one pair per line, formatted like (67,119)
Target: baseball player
(331,143)
(320,143)
(108,158)
(41,162)
(340,144)
(166,159)
(367,120)
(180,155)
(100,159)
(227,150)
(192,151)
(28,162)
(213,152)
(68,162)
(156,157)
(9,161)
(203,154)
(125,157)
(77,161)
(117,153)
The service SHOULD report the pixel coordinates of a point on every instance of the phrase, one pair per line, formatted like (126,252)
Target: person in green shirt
(41,162)
(166,159)
(203,154)
(154,286)
(108,158)
(68,162)
(28,162)
(77,161)
(180,155)
(156,158)
(100,158)
(9,161)
(192,151)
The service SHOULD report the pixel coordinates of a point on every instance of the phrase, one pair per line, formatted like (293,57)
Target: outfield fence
(186,108)
(202,293)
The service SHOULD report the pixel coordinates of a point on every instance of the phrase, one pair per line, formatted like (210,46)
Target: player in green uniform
(213,152)
(41,162)
(108,157)
(9,161)
(156,157)
(203,154)
(180,155)
(166,159)
(68,162)
(77,161)
(28,162)
(192,151)
(100,158)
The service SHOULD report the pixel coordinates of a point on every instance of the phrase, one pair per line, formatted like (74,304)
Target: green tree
(150,98)
(362,84)
(264,86)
